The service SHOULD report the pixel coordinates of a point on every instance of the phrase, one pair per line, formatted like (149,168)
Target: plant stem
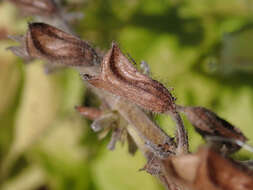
(182,137)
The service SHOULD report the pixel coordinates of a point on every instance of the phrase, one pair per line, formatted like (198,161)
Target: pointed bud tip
(114,44)
(36,25)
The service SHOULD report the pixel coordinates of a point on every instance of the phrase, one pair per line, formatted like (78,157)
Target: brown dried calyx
(54,45)
(207,170)
(121,78)
(46,8)
(109,121)
(91,113)
(208,124)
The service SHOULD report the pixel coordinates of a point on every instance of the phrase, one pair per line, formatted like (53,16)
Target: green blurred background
(203,49)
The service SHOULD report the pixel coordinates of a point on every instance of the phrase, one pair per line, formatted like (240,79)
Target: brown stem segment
(182,137)
(147,130)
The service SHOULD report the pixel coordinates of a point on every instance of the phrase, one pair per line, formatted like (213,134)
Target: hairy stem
(182,137)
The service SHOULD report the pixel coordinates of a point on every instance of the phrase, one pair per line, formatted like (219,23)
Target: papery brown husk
(47,42)
(91,113)
(207,170)
(207,123)
(120,77)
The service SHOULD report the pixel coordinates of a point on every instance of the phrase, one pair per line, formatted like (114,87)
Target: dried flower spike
(54,45)
(207,123)
(120,77)
(46,8)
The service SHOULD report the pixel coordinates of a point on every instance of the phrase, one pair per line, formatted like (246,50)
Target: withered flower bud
(37,7)
(121,78)
(106,122)
(89,112)
(207,123)
(47,42)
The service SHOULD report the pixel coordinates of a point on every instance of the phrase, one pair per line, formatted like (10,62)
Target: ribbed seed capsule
(47,42)
(121,78)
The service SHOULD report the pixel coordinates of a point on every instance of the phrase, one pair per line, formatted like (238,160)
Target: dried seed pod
(46,8)
(207,123)
(47,42)
(121,78)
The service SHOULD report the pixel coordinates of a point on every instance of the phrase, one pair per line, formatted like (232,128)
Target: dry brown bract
(91,113)
(207,123)
(207,170)
(45,41)
(120,77)
(52,44)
